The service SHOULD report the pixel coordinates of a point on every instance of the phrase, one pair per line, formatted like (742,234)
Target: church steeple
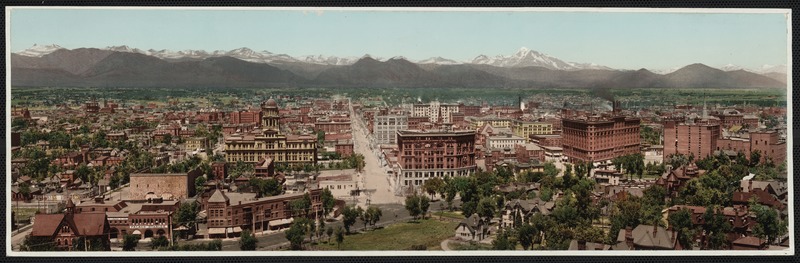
(70,208)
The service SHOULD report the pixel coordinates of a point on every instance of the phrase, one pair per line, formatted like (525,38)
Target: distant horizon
(621,40)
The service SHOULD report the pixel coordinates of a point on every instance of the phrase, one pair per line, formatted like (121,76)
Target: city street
(373,177)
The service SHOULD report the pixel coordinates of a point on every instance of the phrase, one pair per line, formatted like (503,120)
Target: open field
(401,236)
(44,97)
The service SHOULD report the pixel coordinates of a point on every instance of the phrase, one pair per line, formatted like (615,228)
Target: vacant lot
(402,236)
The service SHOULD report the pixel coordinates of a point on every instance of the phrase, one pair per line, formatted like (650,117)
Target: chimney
(629,236)
(655,229)
(750,185)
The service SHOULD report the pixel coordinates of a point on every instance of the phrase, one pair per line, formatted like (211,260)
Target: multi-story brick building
(767,143)
(178,186)
(230,213)
(386,127)
(64,229)
(435,153)
(598,139)
(729,118)
(142,218)
(242,117)
(525,129)
(330,126)
(698,139)
(271,143)
(469,110)
(345,148)
(546,140)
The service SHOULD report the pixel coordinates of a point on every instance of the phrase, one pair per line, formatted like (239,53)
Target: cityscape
(121,149)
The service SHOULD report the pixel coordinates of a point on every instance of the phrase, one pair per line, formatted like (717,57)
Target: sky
(621,40)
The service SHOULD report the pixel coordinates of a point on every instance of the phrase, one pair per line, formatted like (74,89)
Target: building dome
(271,103)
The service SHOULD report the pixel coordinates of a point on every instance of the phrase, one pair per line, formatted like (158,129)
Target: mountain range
(123,66)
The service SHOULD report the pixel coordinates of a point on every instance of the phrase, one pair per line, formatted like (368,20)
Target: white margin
(789,142)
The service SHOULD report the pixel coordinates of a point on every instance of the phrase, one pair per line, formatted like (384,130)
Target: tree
(297,233)
(167,138)
(502,242)
(199,184)
(321,137)
(129,242)
(32,243)
(350,214)
(214,245)
(186,214)
(248,241)
(365,217)
(424,204)
(266,187)
(412,206)
(375,214)
(525,235)
(339,237)
(681,222)
(769,226)
(755,158)
(159,242)
(433,186)
(486,208)
(329,233)
(328,202)
(716,228)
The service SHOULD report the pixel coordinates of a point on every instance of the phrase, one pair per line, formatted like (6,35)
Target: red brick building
(765,142)
(143,218)
(345,148)
(698,139)
(219,170)
(529,152)
(428,154)
(64,229)
(332,127)
(230,213)
(469,110)
(547,140)
(145,186)
(242,117)
(597,139)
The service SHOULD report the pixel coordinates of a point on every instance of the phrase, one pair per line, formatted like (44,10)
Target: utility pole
(169,225)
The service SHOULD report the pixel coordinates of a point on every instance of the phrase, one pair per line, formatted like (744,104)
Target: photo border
(468,256)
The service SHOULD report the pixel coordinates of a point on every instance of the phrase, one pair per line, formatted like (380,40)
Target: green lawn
(469,246)
(401,236)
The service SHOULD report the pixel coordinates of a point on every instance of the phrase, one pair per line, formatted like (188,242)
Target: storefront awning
(280,222)
(216,230)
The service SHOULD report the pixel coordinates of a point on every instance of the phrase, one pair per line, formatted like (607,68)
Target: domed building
(270,143)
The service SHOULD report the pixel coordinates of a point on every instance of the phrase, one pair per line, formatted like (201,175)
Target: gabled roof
(472,223)
(218,197)
(643,235)
(46,224)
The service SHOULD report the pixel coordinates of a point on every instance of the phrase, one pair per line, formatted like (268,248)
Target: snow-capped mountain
(764,69)
(327,60)
(665,71)
(772,69)
(38,51)
(438,61)
(525,57)
(731,67)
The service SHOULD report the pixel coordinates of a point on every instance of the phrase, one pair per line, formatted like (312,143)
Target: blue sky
(615,39)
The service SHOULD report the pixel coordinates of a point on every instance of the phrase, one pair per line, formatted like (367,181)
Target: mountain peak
(38,51)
